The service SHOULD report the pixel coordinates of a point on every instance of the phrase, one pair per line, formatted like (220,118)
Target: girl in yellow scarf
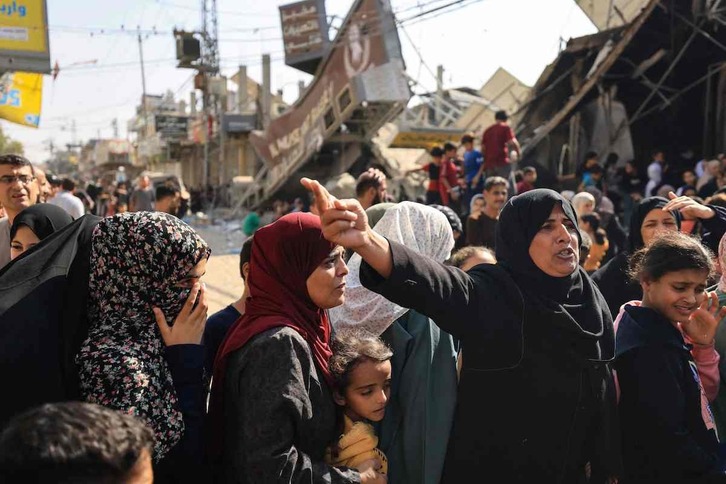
(361,369)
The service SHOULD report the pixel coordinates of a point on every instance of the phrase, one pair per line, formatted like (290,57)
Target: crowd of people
(494,330)
(57,202)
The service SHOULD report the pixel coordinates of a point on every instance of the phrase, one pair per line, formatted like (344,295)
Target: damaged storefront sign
(172,127)
(365,68)
(304,34)
(239,123)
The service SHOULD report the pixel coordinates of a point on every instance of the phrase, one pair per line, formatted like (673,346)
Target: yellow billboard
(24,36)
(21,95)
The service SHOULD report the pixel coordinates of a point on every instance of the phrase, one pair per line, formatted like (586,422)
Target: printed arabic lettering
(315,40)
(304,12)
(295,30)
(10,9)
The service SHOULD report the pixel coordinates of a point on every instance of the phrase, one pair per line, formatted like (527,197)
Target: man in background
(55,186)
(44,189)
(529,177)
(450,195)
(450,150)
(370,188)
(143,198)
(168,199)
(473,168)
(496,143)
(67,200)
(18,191)
(481,228)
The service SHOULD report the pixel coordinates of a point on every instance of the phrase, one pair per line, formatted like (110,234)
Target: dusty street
(222,279)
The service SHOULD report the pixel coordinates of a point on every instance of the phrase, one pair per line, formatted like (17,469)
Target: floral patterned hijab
(136,261)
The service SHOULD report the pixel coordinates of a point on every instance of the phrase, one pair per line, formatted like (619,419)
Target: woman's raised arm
(443,293)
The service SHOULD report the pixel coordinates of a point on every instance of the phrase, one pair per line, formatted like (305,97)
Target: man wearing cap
(55,187)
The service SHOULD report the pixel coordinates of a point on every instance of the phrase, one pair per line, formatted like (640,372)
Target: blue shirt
(214,332)
(472,162)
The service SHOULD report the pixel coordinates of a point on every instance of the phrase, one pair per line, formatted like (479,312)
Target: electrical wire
(423,16)
(413,19)
(98,31)
(224,12)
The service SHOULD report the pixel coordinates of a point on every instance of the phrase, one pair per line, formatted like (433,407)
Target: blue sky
(100,79)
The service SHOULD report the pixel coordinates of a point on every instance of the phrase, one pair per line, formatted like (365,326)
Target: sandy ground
(223,281)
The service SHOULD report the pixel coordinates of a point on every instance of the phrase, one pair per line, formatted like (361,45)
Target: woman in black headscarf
(34,224)
(654,215)
(647,219)
(43,319)
(535,400)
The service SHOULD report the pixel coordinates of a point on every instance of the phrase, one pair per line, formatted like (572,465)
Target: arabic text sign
(24,36)
(22,25)
(172,126)
(363,65)
(304,31)
(239,123)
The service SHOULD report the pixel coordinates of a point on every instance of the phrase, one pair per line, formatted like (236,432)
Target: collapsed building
(654,76)
(656,80)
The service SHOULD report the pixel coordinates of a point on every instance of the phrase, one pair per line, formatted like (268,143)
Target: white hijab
(418,227)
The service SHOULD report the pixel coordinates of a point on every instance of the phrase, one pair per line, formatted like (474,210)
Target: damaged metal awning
(359,86)
(652,83)
(611,51)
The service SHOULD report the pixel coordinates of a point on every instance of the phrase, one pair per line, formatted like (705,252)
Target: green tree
(9,145)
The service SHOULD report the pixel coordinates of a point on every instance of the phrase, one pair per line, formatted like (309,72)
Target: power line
(417,6)
(461,4)
(225,12)
(416,18)
(336,42)
(92,110)
(110,106)
(122,30)
(83,69)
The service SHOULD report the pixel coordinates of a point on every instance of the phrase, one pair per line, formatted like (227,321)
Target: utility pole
(210,61)
(222,155)
(199,50)
(241,89)
(438,105)
(266,88)
(143,85)
(114,125)
(51,148)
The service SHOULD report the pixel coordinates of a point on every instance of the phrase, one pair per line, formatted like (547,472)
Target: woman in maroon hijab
(272,410)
